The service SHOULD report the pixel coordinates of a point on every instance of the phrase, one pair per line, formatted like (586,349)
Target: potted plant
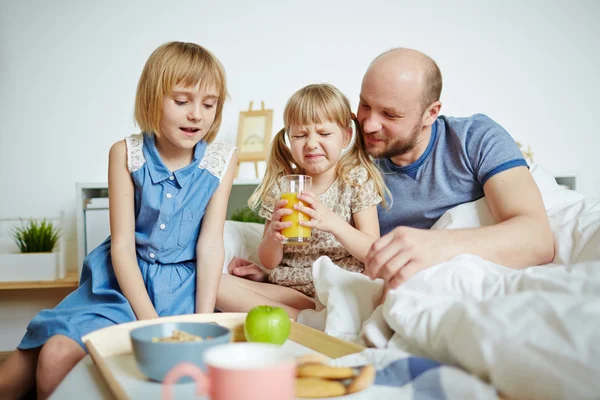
(246,214)
(38,258)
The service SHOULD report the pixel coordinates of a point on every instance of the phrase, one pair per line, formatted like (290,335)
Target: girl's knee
(224,287)
(58,356)
(228,282)
(224,281)
(59,351)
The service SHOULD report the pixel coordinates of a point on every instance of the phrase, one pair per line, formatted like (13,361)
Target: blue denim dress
(169,207)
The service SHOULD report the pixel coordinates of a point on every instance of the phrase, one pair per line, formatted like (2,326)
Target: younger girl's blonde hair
(172,64)
(317,104)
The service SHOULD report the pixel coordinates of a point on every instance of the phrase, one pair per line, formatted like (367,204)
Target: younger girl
(342,203)
(168,193)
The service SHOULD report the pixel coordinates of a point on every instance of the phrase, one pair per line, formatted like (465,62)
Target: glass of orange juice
(291,186)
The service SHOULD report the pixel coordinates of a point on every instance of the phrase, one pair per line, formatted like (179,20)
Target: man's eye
(391,115)
(180,102)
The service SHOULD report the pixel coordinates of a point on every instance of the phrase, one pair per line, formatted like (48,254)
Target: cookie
(312,359)
(315,387)
(363,380)
(313,370)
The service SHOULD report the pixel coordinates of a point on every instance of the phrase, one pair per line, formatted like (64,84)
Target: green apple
(267,324)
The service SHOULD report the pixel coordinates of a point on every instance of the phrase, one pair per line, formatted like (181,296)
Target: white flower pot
(18,267)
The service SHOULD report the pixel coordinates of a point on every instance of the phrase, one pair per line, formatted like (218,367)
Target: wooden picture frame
(254,135)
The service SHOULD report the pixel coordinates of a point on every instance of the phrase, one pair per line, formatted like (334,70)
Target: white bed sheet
(533,333)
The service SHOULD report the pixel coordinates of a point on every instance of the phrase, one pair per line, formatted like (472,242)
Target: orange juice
(295,234)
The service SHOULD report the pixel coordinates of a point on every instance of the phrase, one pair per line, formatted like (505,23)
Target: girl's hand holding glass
(321,217)
(276,224)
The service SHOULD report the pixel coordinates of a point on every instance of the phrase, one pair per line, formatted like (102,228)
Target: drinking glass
(291,186)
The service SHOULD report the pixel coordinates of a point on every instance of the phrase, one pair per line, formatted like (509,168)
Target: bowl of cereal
(160,347)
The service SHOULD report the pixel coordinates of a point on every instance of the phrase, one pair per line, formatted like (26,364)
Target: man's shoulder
(463,126)
(472,132)
(384,165)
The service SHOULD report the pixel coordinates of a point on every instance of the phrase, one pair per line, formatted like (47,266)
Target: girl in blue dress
(168,193)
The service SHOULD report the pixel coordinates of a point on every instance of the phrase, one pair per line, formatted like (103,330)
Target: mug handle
(179,371)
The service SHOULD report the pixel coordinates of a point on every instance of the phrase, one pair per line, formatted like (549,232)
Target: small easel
(254,136)
(527,153)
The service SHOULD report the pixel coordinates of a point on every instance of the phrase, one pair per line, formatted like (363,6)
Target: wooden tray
(110,349)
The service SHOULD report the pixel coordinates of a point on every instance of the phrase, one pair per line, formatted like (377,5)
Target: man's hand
(321,217)
(246,269)
(405,251)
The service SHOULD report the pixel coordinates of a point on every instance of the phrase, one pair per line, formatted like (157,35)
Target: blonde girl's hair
(172,64)
(317,104)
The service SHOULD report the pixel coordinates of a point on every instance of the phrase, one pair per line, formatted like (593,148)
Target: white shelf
(70,281)
(86,191)
(254,182)
(9,252)
(92,212)
(569,179)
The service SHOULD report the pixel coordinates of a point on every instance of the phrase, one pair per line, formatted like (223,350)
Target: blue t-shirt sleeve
(490,148)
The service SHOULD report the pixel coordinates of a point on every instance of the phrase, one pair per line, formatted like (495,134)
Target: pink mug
(240,371)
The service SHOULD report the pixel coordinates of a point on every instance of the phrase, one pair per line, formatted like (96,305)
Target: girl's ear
(347,137)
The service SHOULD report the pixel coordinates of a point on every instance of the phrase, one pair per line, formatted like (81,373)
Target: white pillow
(477,213)
(241,239)
(553,194)
(349,297)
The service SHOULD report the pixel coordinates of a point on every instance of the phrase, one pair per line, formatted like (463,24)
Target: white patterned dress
(344,199)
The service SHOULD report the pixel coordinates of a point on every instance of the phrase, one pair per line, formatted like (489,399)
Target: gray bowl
(156,359)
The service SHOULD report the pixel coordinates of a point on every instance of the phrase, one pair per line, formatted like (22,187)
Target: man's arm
(520,238)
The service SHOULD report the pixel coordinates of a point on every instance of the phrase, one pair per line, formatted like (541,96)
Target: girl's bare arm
(270,250)
(210,251)
(356,239)
(122,230)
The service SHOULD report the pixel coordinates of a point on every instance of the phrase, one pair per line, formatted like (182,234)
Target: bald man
(432,163)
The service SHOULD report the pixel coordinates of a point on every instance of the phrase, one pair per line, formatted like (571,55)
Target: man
(432,163)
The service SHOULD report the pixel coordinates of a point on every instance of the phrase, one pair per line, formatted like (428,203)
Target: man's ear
(431,113)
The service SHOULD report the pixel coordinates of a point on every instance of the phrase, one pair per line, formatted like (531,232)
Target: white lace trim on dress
(216,158)
(135,155)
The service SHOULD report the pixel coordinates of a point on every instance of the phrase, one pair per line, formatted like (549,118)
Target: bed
(468,328)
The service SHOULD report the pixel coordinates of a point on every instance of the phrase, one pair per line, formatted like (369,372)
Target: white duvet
(533,333)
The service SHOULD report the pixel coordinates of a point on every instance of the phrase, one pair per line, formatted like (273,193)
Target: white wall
(69,69)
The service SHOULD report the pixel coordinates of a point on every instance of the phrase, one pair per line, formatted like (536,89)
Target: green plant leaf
(246,214)
(36,236)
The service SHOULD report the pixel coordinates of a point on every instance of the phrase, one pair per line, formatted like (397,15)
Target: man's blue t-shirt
(463,153)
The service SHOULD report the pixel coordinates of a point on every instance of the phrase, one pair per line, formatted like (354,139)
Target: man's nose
(370,125)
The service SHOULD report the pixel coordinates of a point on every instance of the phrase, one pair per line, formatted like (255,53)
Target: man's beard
(399,147)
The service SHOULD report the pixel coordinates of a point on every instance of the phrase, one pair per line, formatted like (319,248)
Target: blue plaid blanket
(404,376)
